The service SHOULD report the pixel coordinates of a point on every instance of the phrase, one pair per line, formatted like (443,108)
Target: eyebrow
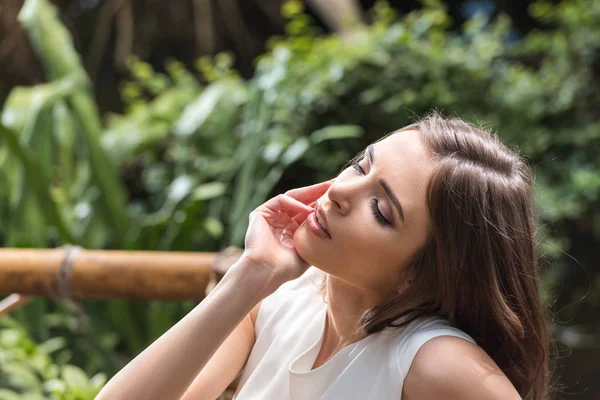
(385,186)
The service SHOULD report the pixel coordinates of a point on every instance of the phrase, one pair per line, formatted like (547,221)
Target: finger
(299,218)
(309,194)
(291,228)
(286,204)
(287,240)
(287,235)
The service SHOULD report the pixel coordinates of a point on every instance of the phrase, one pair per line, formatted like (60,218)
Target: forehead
(406,164)
(409,143)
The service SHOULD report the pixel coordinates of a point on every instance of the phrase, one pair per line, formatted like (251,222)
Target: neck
(346,304)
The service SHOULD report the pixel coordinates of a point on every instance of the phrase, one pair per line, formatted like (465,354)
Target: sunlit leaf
(295,151)
(9,395)
(214,227)
(197,112)
(74,377)
(334,132)
(209,191)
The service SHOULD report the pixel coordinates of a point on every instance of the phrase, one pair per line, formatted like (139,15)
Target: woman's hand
(269,249)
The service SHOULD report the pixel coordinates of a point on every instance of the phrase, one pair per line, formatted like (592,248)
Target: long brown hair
(478,268)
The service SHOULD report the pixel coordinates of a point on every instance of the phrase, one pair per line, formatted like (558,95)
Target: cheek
(370,244)
(302,243)
(360,244)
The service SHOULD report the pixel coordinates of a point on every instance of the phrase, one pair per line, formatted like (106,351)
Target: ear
(407,276)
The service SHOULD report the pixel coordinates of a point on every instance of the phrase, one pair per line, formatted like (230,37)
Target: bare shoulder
(452,368)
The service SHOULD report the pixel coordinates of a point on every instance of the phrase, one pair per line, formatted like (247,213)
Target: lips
(321,219)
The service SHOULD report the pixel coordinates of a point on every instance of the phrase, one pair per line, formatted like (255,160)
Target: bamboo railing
(75,273)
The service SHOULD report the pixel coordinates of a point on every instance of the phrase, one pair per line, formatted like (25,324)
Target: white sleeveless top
(289,332)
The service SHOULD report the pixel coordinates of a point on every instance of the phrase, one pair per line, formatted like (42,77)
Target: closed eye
(357,166)
(374,202)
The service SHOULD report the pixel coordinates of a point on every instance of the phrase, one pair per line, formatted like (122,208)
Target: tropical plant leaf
(39,183)
(54,46)
(198,112)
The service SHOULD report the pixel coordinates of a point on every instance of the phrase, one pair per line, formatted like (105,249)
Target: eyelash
(378,215)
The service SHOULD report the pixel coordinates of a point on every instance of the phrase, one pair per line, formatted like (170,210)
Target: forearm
(167,367)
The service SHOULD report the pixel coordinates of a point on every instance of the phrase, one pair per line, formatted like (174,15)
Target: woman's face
(376,215)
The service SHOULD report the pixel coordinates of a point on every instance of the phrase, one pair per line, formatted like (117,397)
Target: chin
(304,243)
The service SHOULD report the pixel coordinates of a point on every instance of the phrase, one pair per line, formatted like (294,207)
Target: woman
(423,285)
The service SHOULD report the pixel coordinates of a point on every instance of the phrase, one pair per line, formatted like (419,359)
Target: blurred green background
(159,125)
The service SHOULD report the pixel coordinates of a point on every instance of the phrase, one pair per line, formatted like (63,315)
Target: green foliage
(54,46)
(34,174)
(198,150)
(29,371)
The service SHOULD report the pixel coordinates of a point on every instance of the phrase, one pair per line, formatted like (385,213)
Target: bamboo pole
(71,272)
(13,302)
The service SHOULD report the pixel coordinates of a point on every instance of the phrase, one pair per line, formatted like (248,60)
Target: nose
(339,196)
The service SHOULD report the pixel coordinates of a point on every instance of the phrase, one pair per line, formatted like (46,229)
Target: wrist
(252,277)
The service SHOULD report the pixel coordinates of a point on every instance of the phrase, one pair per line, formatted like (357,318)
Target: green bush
(28,372)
